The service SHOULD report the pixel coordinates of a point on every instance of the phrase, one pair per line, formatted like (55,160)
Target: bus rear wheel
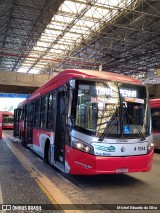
(49,155)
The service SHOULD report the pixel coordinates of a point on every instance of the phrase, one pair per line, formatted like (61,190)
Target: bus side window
(37,113)
(51,111)
(43,111)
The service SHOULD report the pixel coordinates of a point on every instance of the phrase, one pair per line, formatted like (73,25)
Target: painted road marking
(52,192)
(1,199)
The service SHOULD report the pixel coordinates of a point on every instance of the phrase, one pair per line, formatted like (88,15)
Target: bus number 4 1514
(140,148)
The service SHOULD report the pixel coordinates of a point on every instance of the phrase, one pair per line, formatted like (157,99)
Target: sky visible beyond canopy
(9,104)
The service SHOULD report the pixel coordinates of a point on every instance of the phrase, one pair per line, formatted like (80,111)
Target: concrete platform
(26,179)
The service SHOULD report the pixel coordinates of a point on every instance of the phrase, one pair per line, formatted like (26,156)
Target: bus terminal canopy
(47,36)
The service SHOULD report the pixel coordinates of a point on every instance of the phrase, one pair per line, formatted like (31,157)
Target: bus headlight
(80,145)
(150,147)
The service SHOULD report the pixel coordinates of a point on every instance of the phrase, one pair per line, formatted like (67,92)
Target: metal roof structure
(46,36)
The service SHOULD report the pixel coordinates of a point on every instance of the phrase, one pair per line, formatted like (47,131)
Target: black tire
(49,155)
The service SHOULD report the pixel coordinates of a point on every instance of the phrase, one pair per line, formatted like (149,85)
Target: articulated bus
(7,119)
(155,113)
(88,122)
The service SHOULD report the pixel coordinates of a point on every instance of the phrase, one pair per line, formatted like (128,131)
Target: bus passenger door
(29,124)
(60,128)
(17,114)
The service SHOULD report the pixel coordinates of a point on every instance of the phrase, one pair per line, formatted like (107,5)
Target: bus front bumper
(86,164)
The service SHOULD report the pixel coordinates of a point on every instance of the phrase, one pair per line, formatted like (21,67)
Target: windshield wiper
(103,122)
(107,129)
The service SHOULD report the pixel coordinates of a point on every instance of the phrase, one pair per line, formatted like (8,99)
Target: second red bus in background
(155,112)
(7,119)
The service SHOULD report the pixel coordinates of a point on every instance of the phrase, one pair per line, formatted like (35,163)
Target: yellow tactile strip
(52,192)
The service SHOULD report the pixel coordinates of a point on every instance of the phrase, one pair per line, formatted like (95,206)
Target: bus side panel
(39,140)
(82,163)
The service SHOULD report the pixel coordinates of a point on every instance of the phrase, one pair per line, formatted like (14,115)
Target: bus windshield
(111,109)
(8,119)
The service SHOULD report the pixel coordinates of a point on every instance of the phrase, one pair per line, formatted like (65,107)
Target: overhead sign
(13,95)
(128,93)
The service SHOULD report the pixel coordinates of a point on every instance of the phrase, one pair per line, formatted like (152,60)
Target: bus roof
(155,102)
(66,75)
(6,113)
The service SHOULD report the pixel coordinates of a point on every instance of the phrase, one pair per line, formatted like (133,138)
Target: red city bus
(88,122)
(7,119)
(155,113)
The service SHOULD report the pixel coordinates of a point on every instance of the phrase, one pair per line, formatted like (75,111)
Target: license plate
(123,170)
